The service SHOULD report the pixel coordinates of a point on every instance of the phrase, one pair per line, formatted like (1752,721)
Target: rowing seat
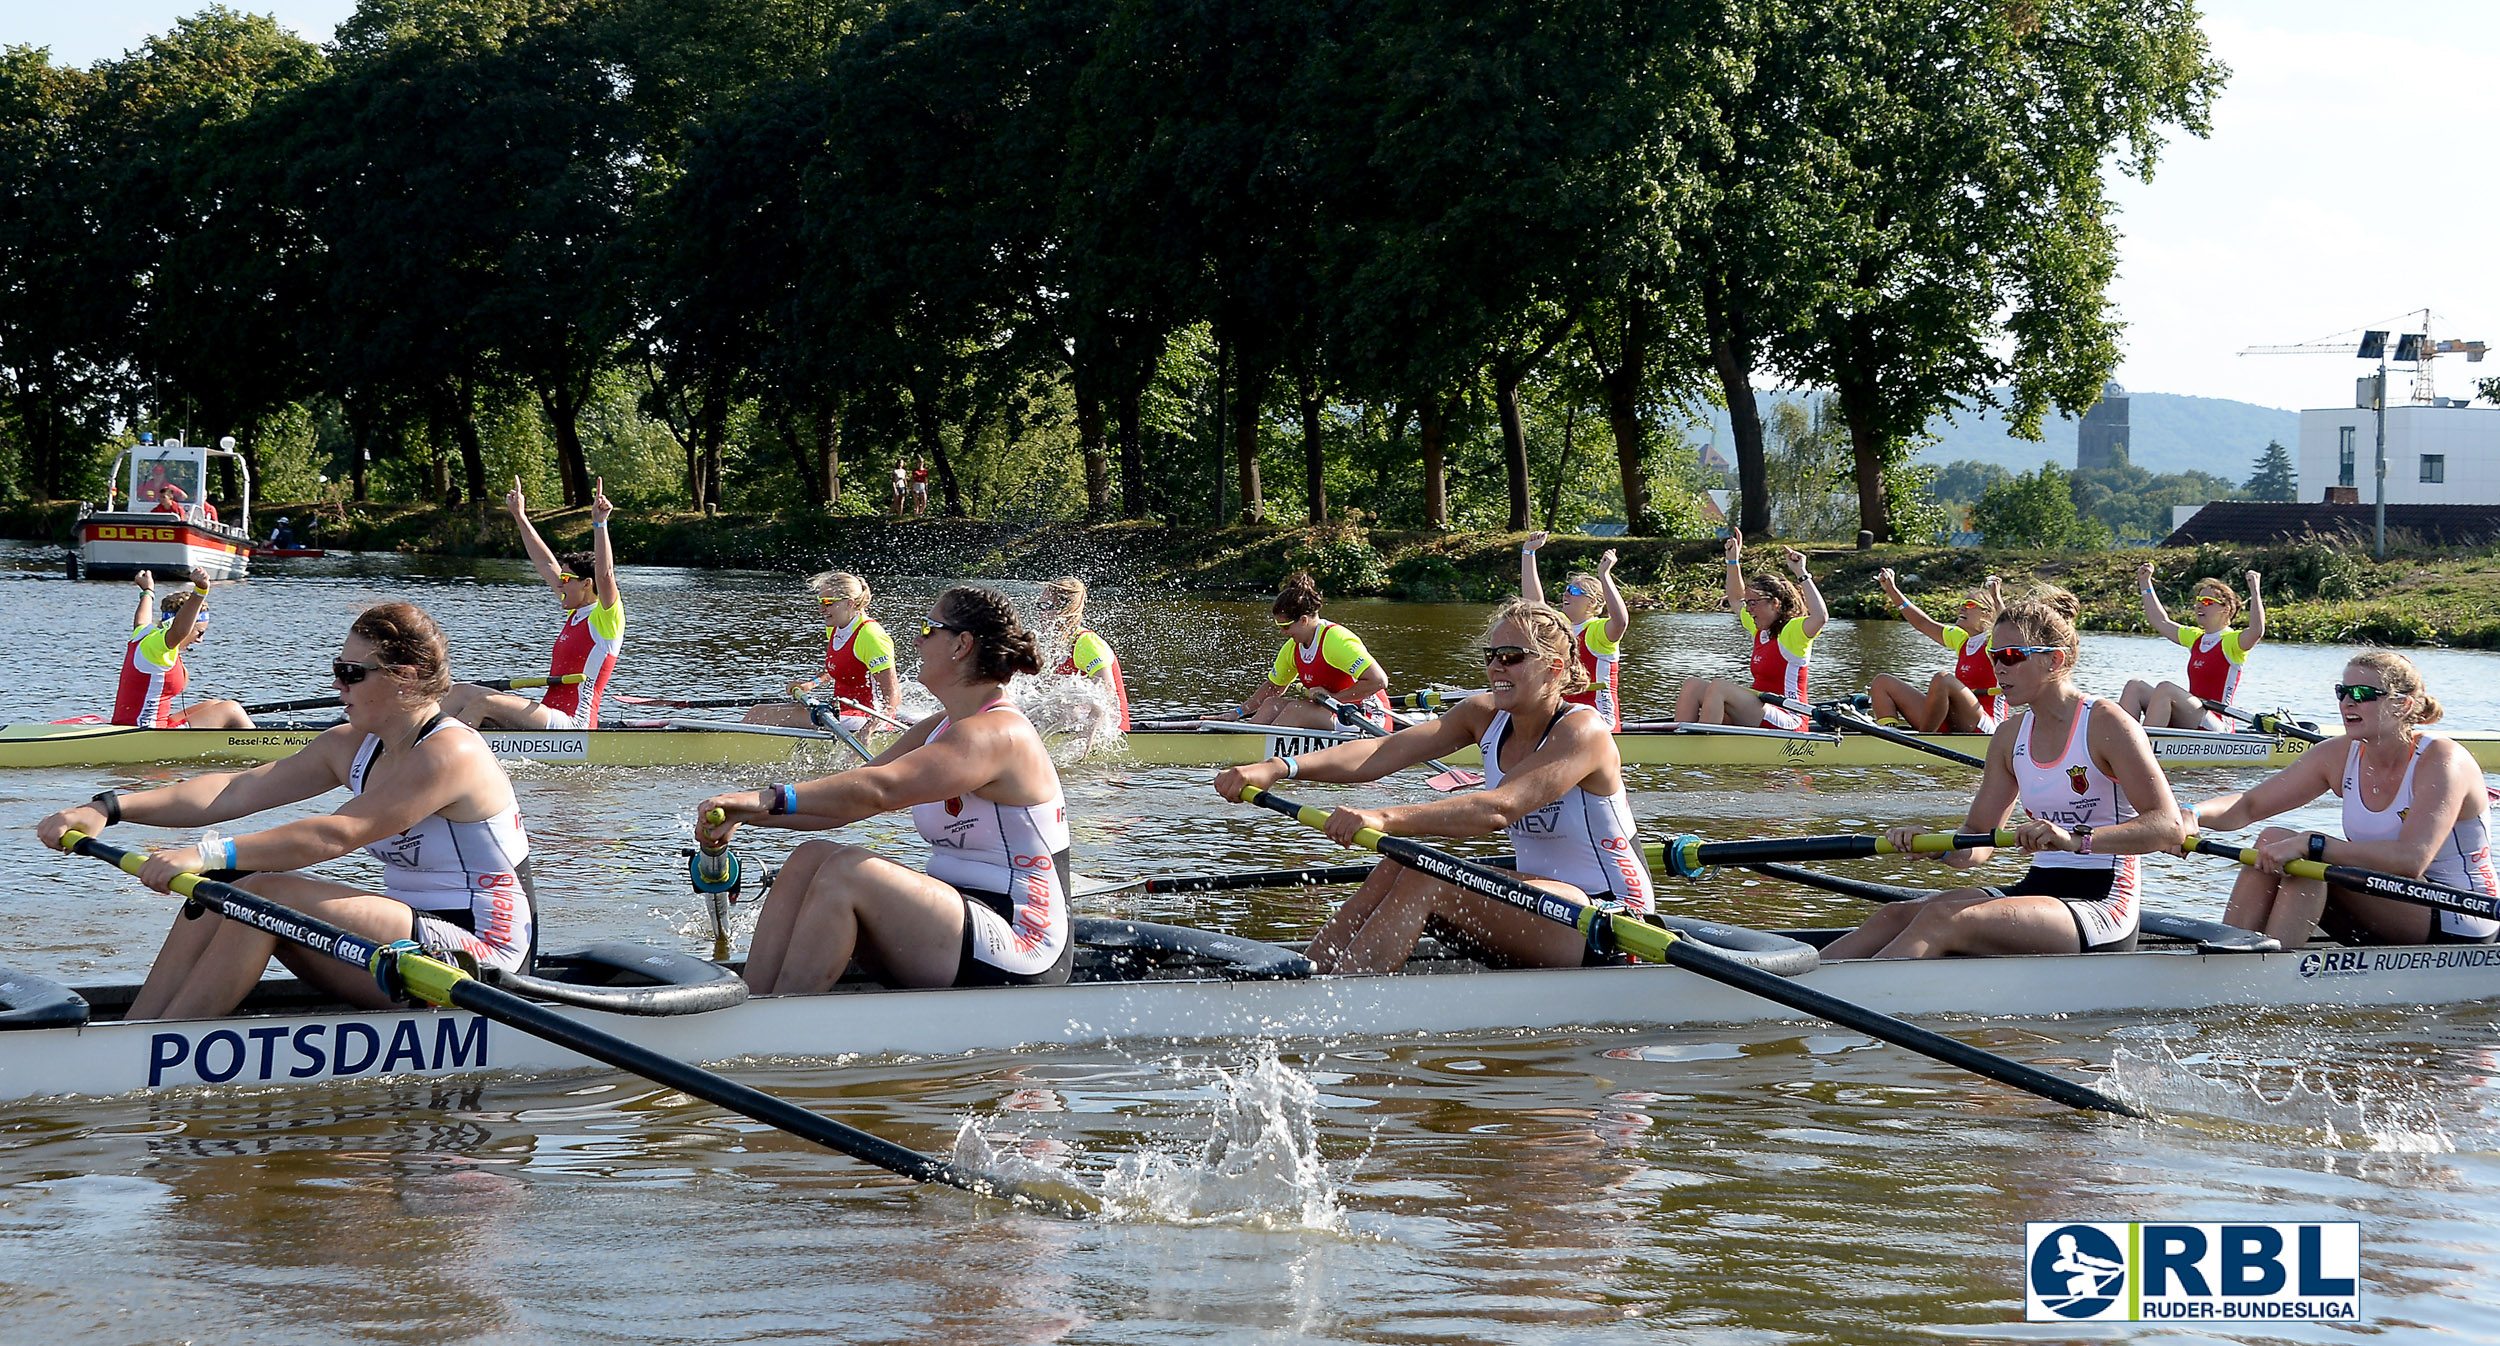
(29,1001)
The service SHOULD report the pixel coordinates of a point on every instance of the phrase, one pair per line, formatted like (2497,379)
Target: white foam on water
(1258,1165)
(2338,1104)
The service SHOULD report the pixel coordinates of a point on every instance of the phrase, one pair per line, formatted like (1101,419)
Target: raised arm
(1735,550)
(602,555)
(146,615)
(2153,612)
(541,556)
(187,616)
(1618,612)
(1817,615)
(1910,612)
(2256,629)
(1530,587)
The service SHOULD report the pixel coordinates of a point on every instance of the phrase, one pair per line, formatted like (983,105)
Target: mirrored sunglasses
(1508,656)
(930,626)
(2359,693)
(2012,655)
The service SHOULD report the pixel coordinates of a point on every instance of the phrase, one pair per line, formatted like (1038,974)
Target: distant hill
(2169,432)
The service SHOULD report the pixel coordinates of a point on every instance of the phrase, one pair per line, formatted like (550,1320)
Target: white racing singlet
(463,879)
(2071,791)
(1019,851)
(1586,840)
(2462,861)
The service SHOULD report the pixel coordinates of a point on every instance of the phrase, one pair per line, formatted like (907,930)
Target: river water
(1774,1183)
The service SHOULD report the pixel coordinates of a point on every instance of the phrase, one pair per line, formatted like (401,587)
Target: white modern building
(2443,453)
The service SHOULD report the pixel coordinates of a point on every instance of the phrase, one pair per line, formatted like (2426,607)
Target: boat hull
(39,745)
(284,1048)
(120,544)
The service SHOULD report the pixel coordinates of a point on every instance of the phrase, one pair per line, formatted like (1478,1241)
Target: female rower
(1317,656)
(2096,805)
(1964,701)
(587,645)
(859,660)
(992,910)
(427,799)
(1782,619)
(1598,617)
(1552,780)
(153,673)
(2216,655)
(1081,652)
(2431,820)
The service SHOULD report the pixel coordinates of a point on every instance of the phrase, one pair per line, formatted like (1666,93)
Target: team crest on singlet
(2076,777)
(955,807)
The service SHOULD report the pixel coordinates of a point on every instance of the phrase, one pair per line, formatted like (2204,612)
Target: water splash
(2338,1104)
(1258,1165)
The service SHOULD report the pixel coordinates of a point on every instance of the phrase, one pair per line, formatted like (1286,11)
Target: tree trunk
(1097,456)
(1133,484)
(1562,468)
(1506,379)
(931,434)
(1623,417)
(803,454)
(1314,464)
(359,445)
(1433,425)
(1246,408)
(1869,454)
(472,453)
(1731,357)
(711,428)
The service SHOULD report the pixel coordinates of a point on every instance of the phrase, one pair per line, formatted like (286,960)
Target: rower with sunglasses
(2414,804)
(2217,655)
(153,673)
(2098,803)
(1598,617)
(859,659)
(1553,781)
(1965,700)
(1781,620)
(1317,656)
(427,799)
(587,646)
(993,907)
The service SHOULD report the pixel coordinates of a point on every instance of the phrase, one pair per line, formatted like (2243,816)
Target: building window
(2434,467)
(2343,454)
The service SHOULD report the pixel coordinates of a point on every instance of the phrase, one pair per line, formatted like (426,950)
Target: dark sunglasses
(2359,693)
(2012,655)
(1508,656)
(1574,591)
(346,674)
(930,626)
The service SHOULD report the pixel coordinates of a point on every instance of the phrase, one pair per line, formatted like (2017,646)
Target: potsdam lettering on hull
(317,1051)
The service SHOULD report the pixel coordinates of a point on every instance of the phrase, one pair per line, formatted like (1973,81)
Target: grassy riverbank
(2315,591)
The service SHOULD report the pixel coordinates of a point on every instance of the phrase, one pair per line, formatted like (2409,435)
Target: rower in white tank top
(2462,861)
(466,881)
(1010,861)
(2073,792)
(1583,839)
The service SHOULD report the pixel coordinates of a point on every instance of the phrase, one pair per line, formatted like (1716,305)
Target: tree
(54,378)
(2275,477)
(2035,510)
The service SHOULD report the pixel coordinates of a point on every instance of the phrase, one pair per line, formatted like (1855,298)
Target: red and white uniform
(1014,852)
(1779,666)
(1602,659)
(2214,665)
(854,655)
(1090,655)
(464,880)
(2072,792)
(1974,669)
(1585,840)
(2462,861)
(588,645)
(152,676)
(1334,660)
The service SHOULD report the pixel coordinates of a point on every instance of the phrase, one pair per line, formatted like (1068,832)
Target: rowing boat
(1143,982)
(696,743)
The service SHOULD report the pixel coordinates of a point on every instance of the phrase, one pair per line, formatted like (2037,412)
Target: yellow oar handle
(1937,843)
(1317,819)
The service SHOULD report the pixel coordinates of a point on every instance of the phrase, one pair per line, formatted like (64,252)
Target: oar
(304,703)
(518,684)
(698,703)
(1431,698)
(2207,936)
(716,875)
(870,711)
(2419,892)
(1660,945)
(1451,778)
(1833,718)
(1687,856)
(1314,877)
(2267,723)
(404,967)
(830,720)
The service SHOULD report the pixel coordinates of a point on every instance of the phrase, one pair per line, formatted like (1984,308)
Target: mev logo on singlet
(2145,1272)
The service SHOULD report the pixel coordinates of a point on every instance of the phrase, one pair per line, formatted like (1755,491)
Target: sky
(2347,183)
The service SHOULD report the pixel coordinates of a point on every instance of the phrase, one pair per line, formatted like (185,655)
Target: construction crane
(2416,348)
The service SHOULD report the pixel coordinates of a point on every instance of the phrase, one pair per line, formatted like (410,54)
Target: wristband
(2083,840)
(779,799)
(1734,562)
(2317,846)
(1293,769)
(217,852)
(110,802)
(598,523)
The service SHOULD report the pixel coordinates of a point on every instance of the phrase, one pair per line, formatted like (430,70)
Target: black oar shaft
(1665,946)
(2419,892)
(441,983)
(303,703)
(1317,876)
(1687,856)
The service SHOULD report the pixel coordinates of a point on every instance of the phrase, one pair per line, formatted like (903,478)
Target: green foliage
(2294,571)
(2133,503)
(1809,474)
(2036,511)
(2275,478)
(1962,481)
(1918,517)
(1341,557)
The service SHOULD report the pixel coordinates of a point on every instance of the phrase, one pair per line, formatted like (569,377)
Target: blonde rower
(1081,652)
(859,658)
(1553,781)
(2216,655)
(2098,804)
(1598,616)
(2414,804)
(1966,700)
